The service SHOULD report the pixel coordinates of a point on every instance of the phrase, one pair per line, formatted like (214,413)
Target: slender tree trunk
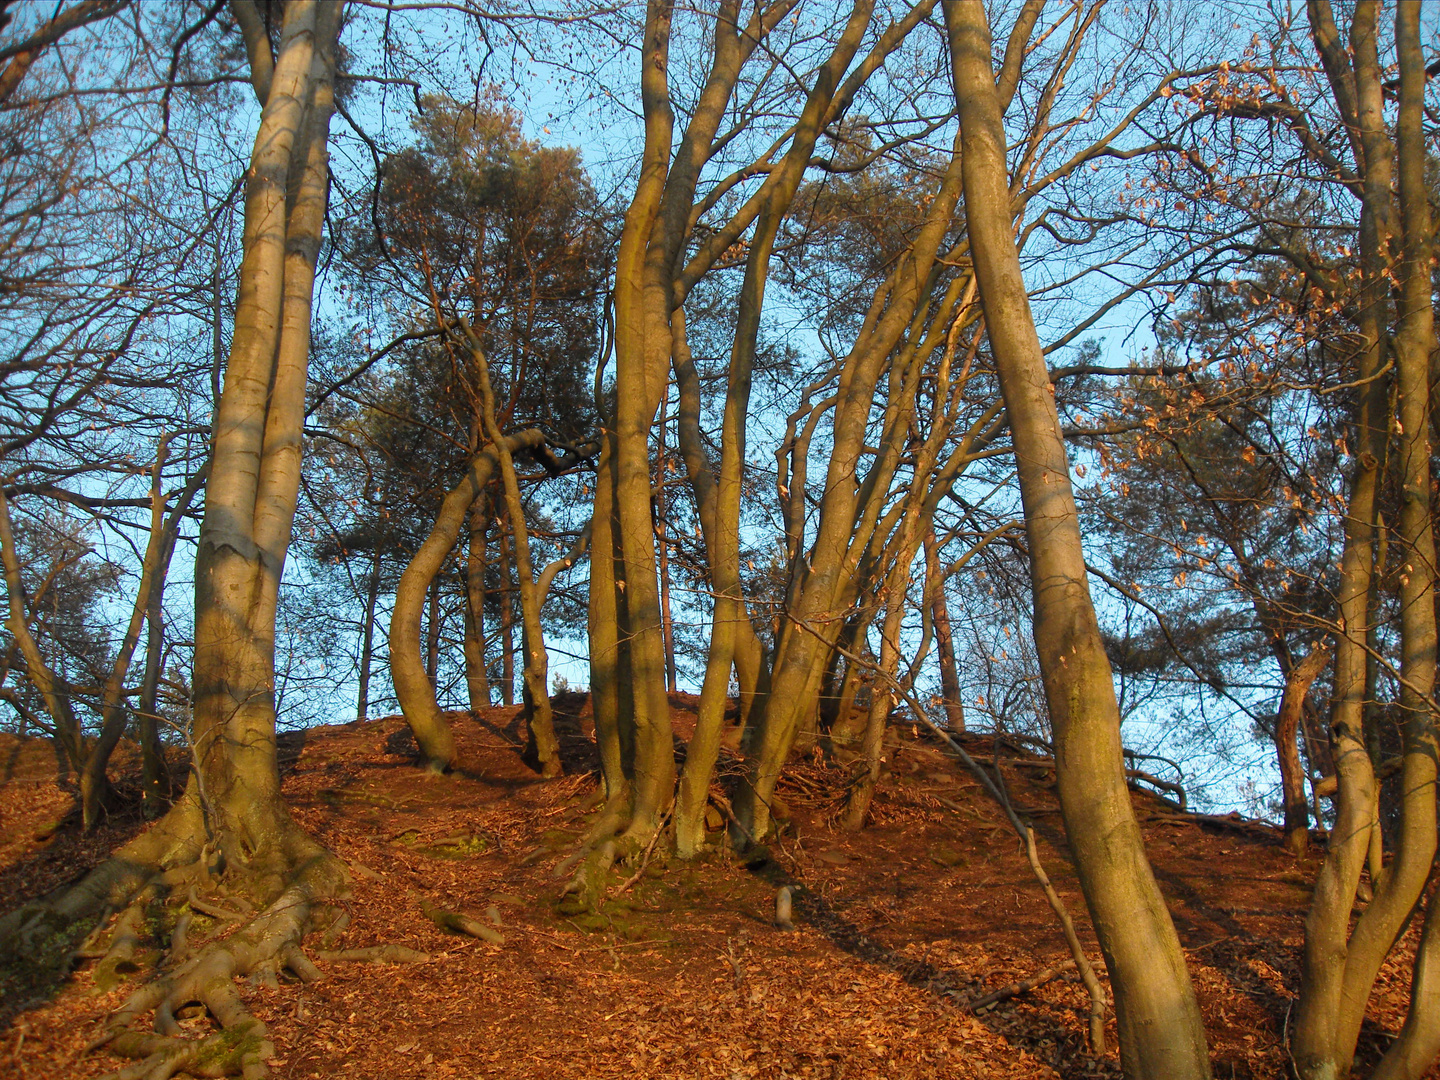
(1339,966)
(667,622)
(1162,1036)
(944,637)
(1402,886)
(751,670)
(609,685)
(1287,749)
(882,702)
(477,679)
(154,773)
(730,608)
(53,688)
(543,743)
(367,636)
(407,671)
(507,614)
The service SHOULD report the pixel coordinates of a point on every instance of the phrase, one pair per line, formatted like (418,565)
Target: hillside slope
(684,975)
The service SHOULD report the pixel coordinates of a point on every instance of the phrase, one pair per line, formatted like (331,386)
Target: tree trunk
(232,815)
(1340,965)
(667,622)
(751,671)
(154,774)
(407,672)
(944,637)
(882,701)
(1162,1036)
(254,479)
(507,614)
(1287,747)
(367,636)
(477,679)
(538,717)
(432,633)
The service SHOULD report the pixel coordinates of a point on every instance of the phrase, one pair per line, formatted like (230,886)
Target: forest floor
(898,928)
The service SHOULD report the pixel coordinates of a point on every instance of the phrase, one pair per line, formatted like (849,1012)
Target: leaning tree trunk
(1162,1036)
(407,670)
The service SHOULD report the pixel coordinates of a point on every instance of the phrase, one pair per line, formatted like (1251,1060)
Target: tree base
(254,914)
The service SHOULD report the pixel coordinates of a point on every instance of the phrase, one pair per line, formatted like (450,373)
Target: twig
(1023,986)
(645,861)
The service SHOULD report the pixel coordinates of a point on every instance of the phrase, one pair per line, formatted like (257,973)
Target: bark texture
(407,669)
(1161,1033)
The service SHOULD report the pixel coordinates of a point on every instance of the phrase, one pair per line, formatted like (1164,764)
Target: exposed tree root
(268,942)
(154,884)
(587,887)
(44,933)
(458,923)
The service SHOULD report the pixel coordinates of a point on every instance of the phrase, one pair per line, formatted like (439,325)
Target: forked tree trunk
(1340,965)
(232,812)
(254,478)
(724,543)
(1161,1033)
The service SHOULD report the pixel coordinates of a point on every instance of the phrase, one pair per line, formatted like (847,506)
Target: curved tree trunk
(407,671)
(1162,1036)
(539,719)
(1287,748)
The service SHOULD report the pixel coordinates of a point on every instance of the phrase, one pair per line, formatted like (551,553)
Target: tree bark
(507,613)
(662,545)
(543,743)
(432,633)
(1161,1032)
(944,637)
(477,679)
(407,672)
(1340,965)
(1287,747)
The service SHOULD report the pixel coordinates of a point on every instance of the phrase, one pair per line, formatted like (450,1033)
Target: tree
(482,228)
(1161,1033)
(232,807)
